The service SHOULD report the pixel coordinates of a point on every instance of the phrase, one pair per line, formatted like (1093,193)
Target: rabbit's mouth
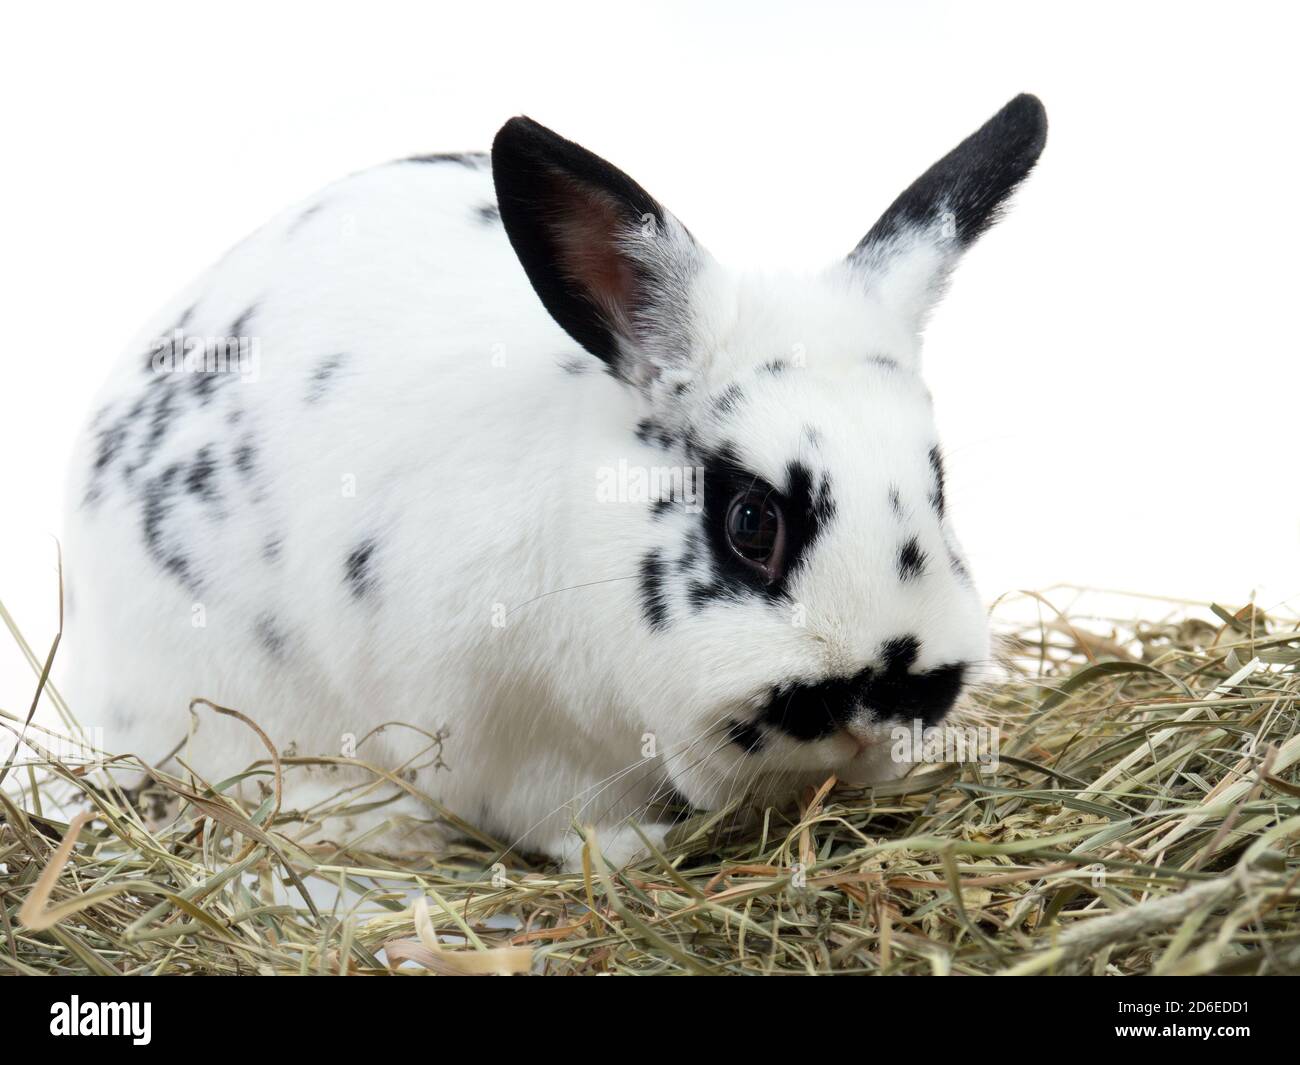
(856,741)
(768,762)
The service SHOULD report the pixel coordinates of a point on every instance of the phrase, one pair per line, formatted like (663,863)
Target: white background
(1115,369)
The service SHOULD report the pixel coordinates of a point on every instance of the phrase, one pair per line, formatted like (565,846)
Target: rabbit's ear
(908,254)
(610,264)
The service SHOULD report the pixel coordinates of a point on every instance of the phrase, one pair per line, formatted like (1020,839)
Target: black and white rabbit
(497,448)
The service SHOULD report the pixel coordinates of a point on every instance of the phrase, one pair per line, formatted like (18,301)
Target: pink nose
(858,739)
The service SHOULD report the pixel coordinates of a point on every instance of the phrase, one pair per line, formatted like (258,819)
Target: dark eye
(756,531)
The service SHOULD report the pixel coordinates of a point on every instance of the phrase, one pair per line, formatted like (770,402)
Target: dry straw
(1142,818)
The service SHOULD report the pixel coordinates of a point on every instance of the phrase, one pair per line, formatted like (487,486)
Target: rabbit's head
(799,591)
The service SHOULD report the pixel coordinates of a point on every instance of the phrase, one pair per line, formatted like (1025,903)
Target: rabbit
(479,470)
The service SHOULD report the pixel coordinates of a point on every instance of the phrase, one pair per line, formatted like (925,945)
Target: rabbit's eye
(756,531)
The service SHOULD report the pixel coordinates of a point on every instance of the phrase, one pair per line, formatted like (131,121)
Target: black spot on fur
(694,548)
(157,504)
(223,362)
(815,505)
(701,594)
(899,653)
(358,570)
(811,711)
(911,560)
(111,445)
(653,603)
(270,636)
(728,399)
(745,735)
(199,478)
(650,432)
(472,160)
(695,450)
(576,365)
(897,693)
(159,501)
(164,410)
(246,457)
(937,492)
(324,371)
(776,366)
(239,327)
(895,501)
(883,361)
(272,547)
(204,380)
(888,692)
(110,442)
(487,214)
(958,567)
(137,408)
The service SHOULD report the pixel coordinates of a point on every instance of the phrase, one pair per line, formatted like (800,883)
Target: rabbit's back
(270,524)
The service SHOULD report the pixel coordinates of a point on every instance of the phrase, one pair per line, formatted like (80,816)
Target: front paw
(619,847)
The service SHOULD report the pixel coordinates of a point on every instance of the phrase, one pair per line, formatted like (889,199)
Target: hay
(1142,818)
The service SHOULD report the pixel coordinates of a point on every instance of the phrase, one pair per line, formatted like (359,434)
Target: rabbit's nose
(896,693)
(856,737)
(888,690)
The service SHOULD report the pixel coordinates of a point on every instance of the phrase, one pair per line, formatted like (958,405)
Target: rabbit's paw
(620,846)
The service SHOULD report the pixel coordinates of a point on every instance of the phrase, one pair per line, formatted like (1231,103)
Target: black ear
(608,262)
(910,250)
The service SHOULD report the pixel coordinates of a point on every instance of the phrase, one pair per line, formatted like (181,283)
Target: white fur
(476,458)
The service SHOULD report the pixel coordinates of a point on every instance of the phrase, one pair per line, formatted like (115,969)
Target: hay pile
(1143,818)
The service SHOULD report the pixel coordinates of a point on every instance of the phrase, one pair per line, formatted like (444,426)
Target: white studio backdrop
(1115,368)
